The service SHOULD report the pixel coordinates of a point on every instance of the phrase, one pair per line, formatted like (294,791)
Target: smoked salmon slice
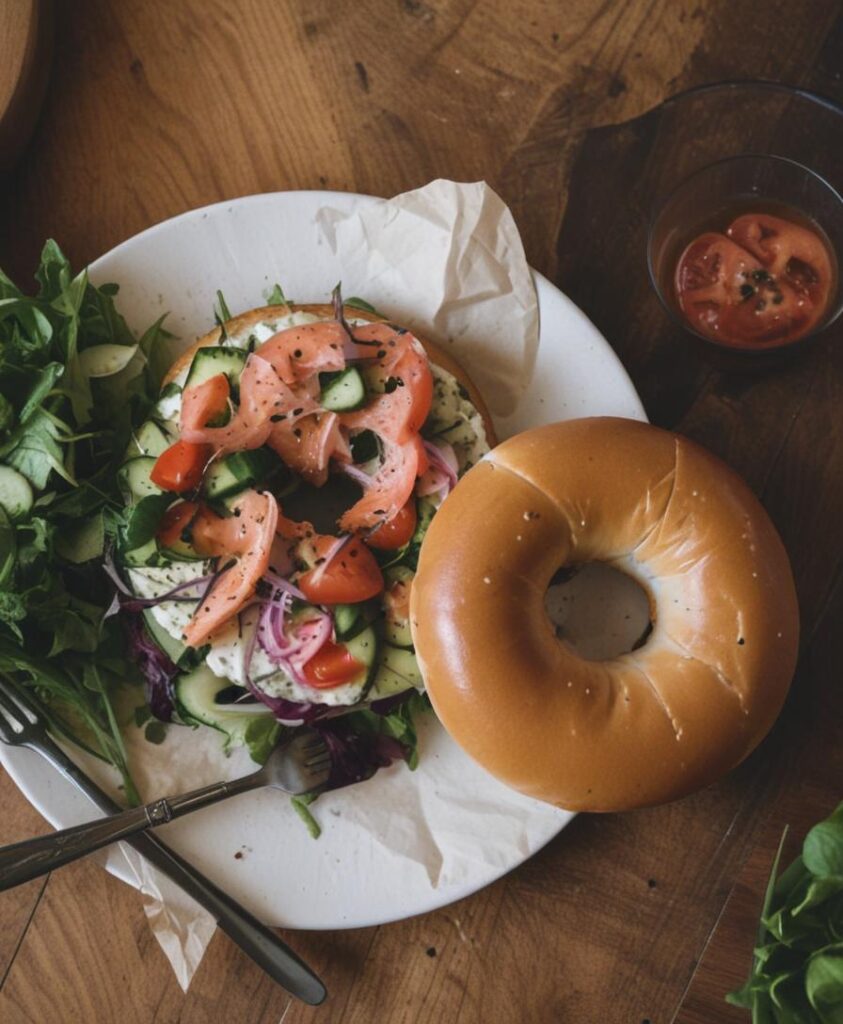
(401,410)
(297,353)
(307,445)
(246,536)
(264,400)
(390,488)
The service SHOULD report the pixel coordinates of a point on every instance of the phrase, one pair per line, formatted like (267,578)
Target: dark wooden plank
(17,906)
(809,795)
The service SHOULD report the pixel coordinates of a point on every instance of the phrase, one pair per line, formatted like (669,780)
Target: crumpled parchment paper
(448,260)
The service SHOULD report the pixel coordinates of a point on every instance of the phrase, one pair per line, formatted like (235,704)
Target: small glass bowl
(726,189)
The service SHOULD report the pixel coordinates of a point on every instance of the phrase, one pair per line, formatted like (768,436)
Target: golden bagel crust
(647,726)
(245,321)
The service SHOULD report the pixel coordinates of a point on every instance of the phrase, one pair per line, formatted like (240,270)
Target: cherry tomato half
(352,575)
(332,665)
(396,532)
(181,466)
(175,520)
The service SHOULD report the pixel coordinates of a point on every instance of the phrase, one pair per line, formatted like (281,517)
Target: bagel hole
(321,506)
(598,611)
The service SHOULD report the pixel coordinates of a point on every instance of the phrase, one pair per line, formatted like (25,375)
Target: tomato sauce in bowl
(743,254)
(764,279)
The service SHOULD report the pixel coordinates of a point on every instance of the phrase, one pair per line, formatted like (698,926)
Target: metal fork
(21,724)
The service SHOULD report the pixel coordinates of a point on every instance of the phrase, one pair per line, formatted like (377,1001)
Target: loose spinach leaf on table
(797,970)
(65,432)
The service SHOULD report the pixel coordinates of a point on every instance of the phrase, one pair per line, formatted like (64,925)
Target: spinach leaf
(797,970)
(144,518)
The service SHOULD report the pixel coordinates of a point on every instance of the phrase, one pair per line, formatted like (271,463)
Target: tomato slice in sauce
(766,281)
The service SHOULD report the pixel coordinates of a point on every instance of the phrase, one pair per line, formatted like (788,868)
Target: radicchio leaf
(157,667)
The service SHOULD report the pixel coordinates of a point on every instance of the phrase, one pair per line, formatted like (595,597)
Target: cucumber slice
(106,360)
(133,478)
(145,555)
(150,439)
(398,671)
(403,663)
(173,648)
(346,617)
(196,694)
(15,493)
(364,648)
(181,551)
(351,619)
(344,391)
(208,362)
(237,471)
(386,684)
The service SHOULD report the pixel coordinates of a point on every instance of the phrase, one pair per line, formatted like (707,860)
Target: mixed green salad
(120,519)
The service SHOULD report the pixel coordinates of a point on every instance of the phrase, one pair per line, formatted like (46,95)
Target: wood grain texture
(26,42)
(155,108)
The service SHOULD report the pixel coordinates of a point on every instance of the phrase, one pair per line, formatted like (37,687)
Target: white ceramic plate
(362,871)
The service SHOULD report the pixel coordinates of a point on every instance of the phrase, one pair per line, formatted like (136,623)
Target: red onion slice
(358,475)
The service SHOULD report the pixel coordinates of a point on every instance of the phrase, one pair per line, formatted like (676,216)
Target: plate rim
(444,895)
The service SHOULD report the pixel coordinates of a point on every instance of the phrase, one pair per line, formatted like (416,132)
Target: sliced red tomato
(176,519)
(181,466)
(352,575)
(396,532)
(786,249)
(332,665)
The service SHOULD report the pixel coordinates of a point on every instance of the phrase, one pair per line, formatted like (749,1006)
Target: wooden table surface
(154,108)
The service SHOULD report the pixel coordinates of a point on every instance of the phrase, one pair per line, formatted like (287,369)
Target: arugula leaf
(66,434)
(35,451)
(222,312)
(276,297)
(357,303)
(44,384)
(8,547)
(300,806)
(262,737)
